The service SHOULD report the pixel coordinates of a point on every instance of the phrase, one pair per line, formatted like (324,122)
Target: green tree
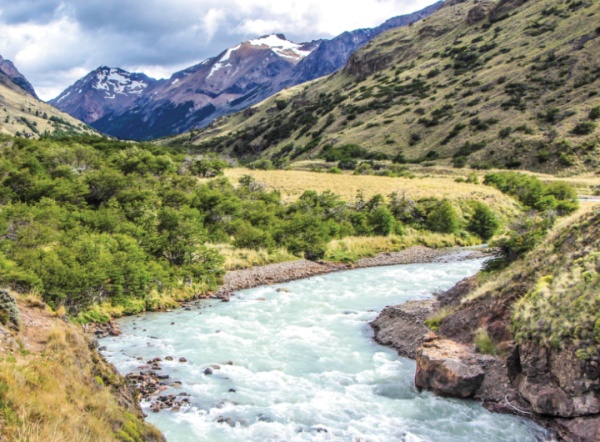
(444,218)
(483,222)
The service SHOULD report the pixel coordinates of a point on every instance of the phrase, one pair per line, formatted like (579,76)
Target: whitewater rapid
(301,365)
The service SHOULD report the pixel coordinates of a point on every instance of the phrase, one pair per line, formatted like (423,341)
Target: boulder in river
(401,326)
(448,368)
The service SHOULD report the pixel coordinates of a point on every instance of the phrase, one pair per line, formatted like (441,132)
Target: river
(301,365)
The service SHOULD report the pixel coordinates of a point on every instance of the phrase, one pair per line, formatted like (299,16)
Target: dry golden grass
(16,104)
(352,248)
(238,259)
(292,184)
(59,390)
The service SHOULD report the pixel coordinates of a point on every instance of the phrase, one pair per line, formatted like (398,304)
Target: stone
(448,368)
(208,371)
(557,383)
(401,327)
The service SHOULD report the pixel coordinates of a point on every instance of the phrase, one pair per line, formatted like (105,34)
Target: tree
(444,218)
(483,222)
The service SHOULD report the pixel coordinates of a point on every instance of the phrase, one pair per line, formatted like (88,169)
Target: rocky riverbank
(553,388)
(291,271)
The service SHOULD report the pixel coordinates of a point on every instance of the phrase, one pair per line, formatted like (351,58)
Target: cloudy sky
(56,42)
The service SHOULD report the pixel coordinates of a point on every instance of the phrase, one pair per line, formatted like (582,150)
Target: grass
(557,287)
(238,259)
(292,184)
(433,322)
(24,112)
(353,248)
(65,392)
(484,343)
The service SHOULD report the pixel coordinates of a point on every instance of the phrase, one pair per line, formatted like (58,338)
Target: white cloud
(58,43)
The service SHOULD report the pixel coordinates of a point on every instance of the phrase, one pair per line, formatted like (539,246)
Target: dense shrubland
(88,220)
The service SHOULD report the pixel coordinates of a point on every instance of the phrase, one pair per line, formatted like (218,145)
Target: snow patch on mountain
(282,47)
(115,81)
(224,61)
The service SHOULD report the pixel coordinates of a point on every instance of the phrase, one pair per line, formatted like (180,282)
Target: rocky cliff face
(133,106)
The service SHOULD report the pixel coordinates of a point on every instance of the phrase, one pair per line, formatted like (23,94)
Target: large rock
(448,368)
(581,429)
(557,383)
(401,326)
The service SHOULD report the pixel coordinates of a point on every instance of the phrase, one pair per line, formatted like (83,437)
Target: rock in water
(448,368)
(401,327)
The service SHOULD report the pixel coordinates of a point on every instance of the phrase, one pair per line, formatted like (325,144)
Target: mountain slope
(333,54)
(489,84)
(9,69)
(102,91)
(22,114)
(235,79)
(212,88)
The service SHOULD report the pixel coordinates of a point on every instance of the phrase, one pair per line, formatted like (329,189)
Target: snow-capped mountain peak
(283,47)
(117,81)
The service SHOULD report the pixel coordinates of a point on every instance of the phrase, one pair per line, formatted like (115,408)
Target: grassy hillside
(508,84)
(23,115)
(55,388)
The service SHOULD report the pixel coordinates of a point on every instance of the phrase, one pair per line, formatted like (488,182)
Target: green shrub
(584,128)
(594,113)
(483,222)
(444,218)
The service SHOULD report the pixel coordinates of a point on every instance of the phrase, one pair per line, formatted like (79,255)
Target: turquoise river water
(305,367)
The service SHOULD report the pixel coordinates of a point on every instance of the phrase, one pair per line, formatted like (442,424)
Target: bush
(444,218)
(584,128)
(382,221)
(531,191)
(347,164)
(262,164)
(484,222)
(594,113)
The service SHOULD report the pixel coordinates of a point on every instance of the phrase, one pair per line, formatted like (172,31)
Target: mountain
(102,91)
(505,84)
(197,95)
(23,114)
(9,69)
(333,54)
(237,78)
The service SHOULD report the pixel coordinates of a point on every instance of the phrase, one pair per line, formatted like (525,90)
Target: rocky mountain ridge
(235,79)
(8,68)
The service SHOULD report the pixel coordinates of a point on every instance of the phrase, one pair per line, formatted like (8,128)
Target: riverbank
(294,270)
(57,387)
(491,341)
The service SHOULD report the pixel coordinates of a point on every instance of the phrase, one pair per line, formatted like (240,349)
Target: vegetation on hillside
(23,115)
(54,387)
(88,221)
(507,84)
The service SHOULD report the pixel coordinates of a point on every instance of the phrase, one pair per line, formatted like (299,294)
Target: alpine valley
(224,237)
